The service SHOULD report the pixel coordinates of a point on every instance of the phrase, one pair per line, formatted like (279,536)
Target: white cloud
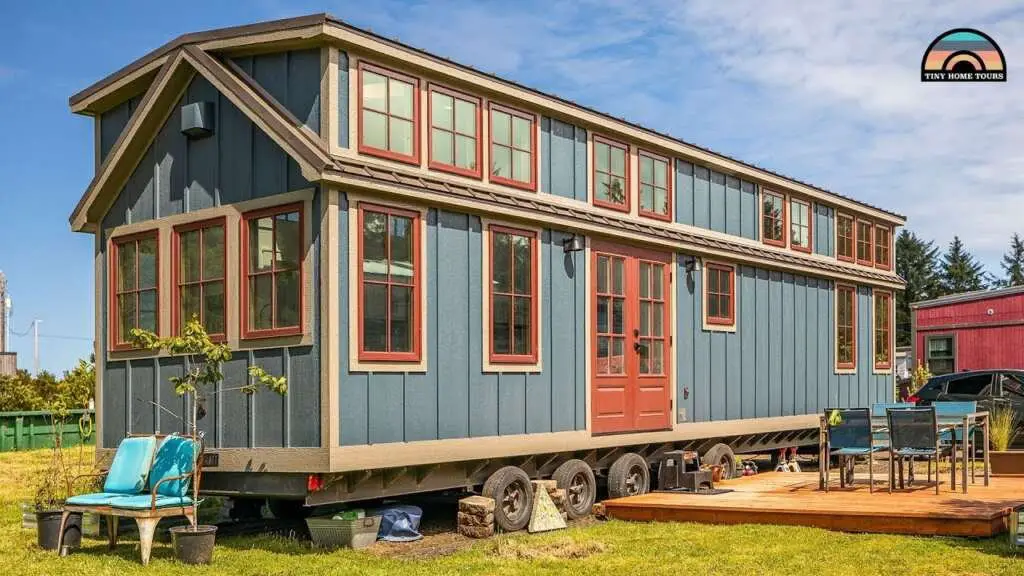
(827,92)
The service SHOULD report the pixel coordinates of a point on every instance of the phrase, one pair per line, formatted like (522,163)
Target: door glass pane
(441,147)
(261,244)
(375,129)
(188,252)
(261,302)
(287,298)
(603,352)
(213,307)
(657,356)
(618,276)
(618,316)
(657,279)
(147,310)
(645,318)
(402,250)
(126,276)
(442,109)
(147,263)
(375,263)
(617,362)
(645,280)
(213,252)
(602,274)
(523,323)
(288,252)
(657,319)
(375,317)
(645,357)
(603,305)
(401,318)
(501,262)
(500,327)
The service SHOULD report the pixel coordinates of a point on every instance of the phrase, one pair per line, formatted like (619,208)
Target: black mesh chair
(849,437)
(913,433)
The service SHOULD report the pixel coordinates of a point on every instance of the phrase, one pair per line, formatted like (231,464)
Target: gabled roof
(92,98)
(298,141)
(969,297)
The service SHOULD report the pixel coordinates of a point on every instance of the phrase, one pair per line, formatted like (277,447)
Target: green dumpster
(32,430)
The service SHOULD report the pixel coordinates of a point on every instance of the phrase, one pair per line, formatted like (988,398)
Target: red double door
(630,323)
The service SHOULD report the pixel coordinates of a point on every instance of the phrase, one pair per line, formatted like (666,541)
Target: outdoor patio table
(944,423)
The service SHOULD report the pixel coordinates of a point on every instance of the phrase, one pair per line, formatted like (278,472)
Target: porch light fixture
(690,263)
(573,243)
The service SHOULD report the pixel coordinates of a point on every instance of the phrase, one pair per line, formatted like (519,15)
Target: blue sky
(827,92)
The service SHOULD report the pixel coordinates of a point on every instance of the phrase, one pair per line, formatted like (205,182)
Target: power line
(55,336)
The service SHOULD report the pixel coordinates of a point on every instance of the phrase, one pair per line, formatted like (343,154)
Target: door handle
(637,346)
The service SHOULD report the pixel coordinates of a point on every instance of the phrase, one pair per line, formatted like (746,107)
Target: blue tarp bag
(399,523)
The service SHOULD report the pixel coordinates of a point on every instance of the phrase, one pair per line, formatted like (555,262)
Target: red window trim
(668,185)
(871,243)
(853,237)
(416,354)
(113,321)
(888,321)
(593,174)
(729,320)
(413,158)
(888,247)
(451,168)
(810,226)
(494,357)
(246,332)
(221,221)
(853,314)
(785,220)
(532,184)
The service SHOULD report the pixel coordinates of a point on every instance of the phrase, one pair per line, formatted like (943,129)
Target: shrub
(1002,427)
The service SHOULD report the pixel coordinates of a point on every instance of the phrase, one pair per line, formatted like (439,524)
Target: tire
(577,479)
(722,455)
(288,509)
(512,493)
(630,475)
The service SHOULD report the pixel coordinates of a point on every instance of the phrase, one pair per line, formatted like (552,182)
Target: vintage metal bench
(159,490)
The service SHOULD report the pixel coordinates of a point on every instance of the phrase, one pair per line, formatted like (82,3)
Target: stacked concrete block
(476,517)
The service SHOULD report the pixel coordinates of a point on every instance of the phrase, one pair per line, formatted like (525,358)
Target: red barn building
(972,331)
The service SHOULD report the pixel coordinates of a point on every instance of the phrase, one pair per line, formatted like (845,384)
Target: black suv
(990,388)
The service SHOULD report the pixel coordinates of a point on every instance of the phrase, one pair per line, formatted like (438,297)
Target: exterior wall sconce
(690,263)
(573,243)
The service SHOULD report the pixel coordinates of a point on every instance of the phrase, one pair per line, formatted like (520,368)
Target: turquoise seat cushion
(854,451)
(176,456)
(144,501)
(130,467)
(96,499)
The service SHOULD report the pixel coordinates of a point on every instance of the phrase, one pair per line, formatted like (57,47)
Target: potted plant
(1002,430)
(193,544)
(55,485)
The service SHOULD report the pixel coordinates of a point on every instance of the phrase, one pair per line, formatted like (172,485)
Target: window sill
(528,186)
(412,159)
(440,167)
(624,208)
(846,370)
(710,326)
(274,333)
(656,216)
(776,243)
(804,249)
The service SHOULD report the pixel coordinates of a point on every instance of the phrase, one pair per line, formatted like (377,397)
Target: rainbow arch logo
(963,55)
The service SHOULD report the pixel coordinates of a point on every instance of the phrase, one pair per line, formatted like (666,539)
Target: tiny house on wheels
(468,282)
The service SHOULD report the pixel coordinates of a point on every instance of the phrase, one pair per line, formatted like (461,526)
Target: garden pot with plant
(1002,431)
(194,543)
(55,484)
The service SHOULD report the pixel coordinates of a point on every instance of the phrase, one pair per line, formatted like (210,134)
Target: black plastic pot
(48,528)
(194,546)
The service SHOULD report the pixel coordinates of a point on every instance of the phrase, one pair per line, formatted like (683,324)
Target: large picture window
(513,141)
(272,252)
(199,261)
(388,114)
(655,186)
(773,218)
(883,239)
(389,284)
(719,294)
(846,327)
(845,237)
(864,238)
(513,295)
(611,174)
(454,132)
(800,225)
(136,286)
(883,330)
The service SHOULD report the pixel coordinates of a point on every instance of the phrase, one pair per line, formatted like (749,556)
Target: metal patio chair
(913,433)
(848,435)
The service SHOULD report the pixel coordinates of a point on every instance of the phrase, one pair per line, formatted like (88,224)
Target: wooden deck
(794,499)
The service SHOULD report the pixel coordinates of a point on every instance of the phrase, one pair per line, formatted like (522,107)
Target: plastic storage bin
(348,533)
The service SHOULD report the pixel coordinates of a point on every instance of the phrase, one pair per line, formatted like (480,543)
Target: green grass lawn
(603,548)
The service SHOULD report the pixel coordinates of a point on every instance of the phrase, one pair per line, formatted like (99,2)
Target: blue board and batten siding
(179,175)
(715,201)
(563,159)
(454,398)
(780,361)
(823,231)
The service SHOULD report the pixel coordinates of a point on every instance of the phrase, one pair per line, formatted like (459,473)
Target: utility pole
(35,340)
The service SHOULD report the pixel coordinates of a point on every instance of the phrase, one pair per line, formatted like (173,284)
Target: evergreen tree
(1013,262)
(960,272)
(916,263)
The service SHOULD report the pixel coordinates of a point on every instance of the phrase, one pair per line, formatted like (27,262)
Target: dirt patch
(561,549)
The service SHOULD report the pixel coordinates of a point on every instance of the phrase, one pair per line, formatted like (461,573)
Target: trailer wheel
(512,493)
(288,509)
(577,479)
(721,455)
(629,475)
